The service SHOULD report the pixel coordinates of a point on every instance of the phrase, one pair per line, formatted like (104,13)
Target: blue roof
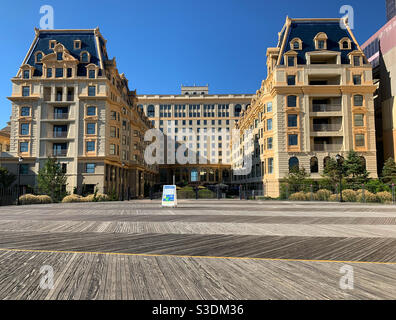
(307,30)
(88,43)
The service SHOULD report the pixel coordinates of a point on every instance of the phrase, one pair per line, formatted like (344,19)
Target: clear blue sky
(160,44)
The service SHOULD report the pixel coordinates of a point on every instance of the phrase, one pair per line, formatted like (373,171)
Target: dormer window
(92,74)
(321,41)
(296,44)
(345,44)
(52,44)
(77,44)
(85,57)
(291,58)
(39,57)
(26,74)
(59,56)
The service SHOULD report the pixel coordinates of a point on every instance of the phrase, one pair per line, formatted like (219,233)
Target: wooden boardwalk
(201,250)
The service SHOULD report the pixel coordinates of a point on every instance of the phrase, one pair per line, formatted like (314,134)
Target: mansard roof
(308,29)
(91,42)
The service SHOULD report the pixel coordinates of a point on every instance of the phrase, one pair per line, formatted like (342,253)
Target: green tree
(355,168)
(389,172)
(6,178)
(297,180)
(332,172)
(52,180)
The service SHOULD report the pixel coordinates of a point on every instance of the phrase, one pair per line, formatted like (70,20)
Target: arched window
(314,165)
(150,111)
(39,57)
(292,101)
(237,110)
(358,100)
(326,161)
(84,57)
(293,164)
(345,45)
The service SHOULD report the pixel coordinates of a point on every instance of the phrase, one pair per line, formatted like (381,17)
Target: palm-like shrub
(323,195)
(349,195)
(299,196)
(384,197)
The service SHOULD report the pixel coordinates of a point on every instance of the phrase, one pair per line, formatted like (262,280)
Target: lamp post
(339,165)
(122,182)
(20,159)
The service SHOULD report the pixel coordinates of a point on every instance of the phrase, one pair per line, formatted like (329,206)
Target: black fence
(8,196)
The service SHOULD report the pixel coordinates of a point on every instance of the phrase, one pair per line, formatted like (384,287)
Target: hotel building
(316,103)
(202,122)
(70,102)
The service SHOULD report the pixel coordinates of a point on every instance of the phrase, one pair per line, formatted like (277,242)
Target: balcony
(59,134)
(60,116)
(59,153)
(323,147)
(326,127)
(326,108)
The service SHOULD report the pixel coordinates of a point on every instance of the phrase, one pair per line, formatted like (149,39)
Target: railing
(59,134)
(60,116)
(326,127)
(59,153)
(328,147)
(326,108)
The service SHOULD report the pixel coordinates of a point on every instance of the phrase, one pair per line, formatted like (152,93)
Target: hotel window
(321,44)
(92,74)
(90,146)
(292,101)
(59,56)
(49,73)
(25,111)
(290,61)
(90,168)
(345,45)
(77,44)
(291,80)
(356,61)
(24,147)
(269,143)
(359,120)
(24,129)
(26,74)
(91,128)
(269,124)
(292,120)
(357,79)
(84,57)
(293,140)
(360,140)
(25,91)
(91,111)
(69,72)
(269,107)
(59,73)
(113,115)
(39,57)
(112,149)
(52,44)
(113,132)
(91,91)
(270,166)
(358,100)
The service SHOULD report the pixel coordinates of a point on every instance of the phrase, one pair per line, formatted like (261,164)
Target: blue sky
(161,44)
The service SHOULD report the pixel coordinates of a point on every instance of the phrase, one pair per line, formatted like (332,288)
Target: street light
(339,165)
(122,184)
(20,159)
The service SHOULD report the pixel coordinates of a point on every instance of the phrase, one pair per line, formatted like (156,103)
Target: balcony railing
(327,147)
(60,116)
(326,127)
(326,108)
(59,134)
(59,152)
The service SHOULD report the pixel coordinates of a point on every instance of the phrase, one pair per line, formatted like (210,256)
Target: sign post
(169,196)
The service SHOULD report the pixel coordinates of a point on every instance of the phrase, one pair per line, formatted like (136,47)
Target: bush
(384,197)
(369,197)
(334,198)
(72,198)
(32,199)
(206,194)
(323,195)
(299,196)
(349,195)
(44,199)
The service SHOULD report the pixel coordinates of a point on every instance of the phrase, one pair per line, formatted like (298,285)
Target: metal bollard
(393,193)
(311,188)
(363,194)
